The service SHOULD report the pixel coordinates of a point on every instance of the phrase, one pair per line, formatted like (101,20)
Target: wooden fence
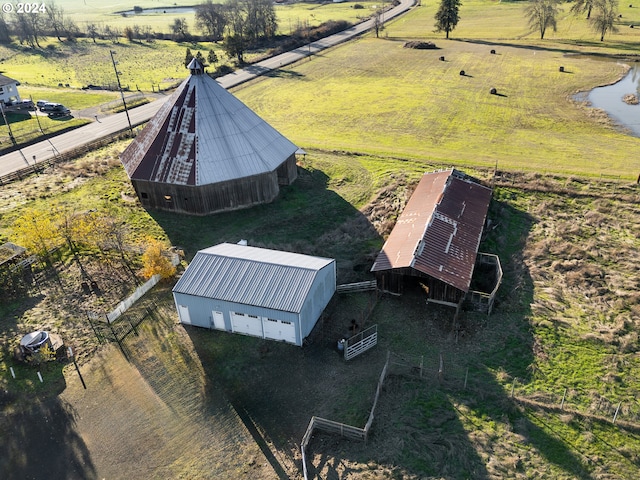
(62,157)
(347,431)
(357,287)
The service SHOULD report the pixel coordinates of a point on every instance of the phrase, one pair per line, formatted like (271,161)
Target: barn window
(285,322)
(272,320)
(253,316)
(144,195)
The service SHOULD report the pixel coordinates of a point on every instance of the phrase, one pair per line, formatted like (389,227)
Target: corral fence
(120,322)
(346,431)
(357,287)
(361,342)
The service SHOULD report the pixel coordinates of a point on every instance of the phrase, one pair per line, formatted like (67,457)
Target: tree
(378,24)
(92,31)
(542,15)
(235,46)
(187,58)
(212,57)
(581,6)
(180,30)
(155,261)
(606,12)
(200,58)
(55,20)
(211,19)
(5,30)
(37,232)
(447,16)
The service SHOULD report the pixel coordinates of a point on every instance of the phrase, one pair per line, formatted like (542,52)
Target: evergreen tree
(188,58)
(447,16)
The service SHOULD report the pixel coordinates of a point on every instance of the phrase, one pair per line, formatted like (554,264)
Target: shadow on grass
(306,217)
(631,47)
(37,435)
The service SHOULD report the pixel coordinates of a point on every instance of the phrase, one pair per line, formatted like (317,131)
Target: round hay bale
(493,91)
(442,59)
(493,52)
(630,26)
(561,69)
(462,73)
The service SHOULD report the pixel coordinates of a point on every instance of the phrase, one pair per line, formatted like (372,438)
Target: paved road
(106,125)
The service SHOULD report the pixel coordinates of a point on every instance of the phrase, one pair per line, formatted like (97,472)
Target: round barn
(205,151)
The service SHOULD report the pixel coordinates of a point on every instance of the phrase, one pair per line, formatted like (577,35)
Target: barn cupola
(195,67)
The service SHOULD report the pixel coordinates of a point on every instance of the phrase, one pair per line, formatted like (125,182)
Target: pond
(610,99)
(157,11)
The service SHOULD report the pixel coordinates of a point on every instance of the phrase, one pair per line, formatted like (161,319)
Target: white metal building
(255,291)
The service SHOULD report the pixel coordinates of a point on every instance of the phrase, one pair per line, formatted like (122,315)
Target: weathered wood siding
(288,171)
(205,199)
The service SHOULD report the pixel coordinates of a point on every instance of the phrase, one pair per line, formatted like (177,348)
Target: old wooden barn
(436,238)
(254,291)
(205,151)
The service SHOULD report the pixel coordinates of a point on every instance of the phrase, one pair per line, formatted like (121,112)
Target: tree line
(241,23)
(542,15)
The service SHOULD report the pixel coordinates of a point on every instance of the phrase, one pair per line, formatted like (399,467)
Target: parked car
(41,103)
(60,112)
(51,107)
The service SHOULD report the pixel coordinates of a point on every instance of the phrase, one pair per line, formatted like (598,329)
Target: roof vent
(243,242)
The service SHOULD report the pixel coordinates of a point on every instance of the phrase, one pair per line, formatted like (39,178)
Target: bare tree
(5,30)
(211,19)
(180,30)
(605,15)
(582,6)
(92,31)
(542,15)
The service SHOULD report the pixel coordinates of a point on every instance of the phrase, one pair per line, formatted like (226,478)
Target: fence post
(616,414)
(564,395)
(421,364)
(466,376)
(441,369)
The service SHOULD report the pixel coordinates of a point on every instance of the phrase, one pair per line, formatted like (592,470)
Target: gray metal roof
(252,276)
(203,135)
(4,80)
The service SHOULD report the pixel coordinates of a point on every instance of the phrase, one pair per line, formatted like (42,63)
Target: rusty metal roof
(202,135)
(439,231)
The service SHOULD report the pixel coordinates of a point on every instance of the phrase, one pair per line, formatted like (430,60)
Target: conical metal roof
(203,135)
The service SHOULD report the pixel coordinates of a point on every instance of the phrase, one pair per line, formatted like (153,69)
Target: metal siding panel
(259,280)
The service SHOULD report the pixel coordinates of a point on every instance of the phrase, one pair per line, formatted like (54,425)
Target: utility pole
(113,60)
(6,122)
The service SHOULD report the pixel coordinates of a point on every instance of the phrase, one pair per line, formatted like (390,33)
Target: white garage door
(247,324)
(279,330)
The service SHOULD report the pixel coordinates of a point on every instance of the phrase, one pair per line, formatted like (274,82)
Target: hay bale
(493,91)
(561,69)
(442,59)
(493,52)
(462,73)
(420,45)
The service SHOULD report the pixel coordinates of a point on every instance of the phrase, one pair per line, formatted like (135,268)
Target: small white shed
(254,291)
